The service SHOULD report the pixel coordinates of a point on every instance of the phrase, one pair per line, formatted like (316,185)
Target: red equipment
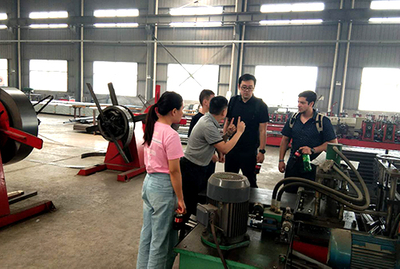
(18,130)
(389,132)
(368,130)
(116,124)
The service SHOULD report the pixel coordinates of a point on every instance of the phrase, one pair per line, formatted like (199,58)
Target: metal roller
(21,116)
(118,124)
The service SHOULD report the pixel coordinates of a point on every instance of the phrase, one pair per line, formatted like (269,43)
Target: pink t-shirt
(165,145)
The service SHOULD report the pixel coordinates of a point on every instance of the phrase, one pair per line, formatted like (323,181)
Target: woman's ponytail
(150,121)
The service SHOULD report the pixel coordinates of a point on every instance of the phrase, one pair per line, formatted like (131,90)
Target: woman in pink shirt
(162,186)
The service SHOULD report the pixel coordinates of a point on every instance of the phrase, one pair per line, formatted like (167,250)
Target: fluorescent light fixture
(43,26)
(48,15)
(3,16)
(116,25)
(385,4)
(2,26)
(290,22)
(298,7)
(196,24)
(195,11)
(109,13)
(385,20)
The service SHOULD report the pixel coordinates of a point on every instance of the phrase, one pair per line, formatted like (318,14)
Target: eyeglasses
(244,88)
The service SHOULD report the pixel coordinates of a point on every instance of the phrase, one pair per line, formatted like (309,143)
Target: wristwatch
(261,151)
(312,150)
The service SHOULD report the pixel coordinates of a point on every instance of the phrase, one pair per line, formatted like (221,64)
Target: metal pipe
(231,71)
(211,42)
(82,86)
(155,50)
(19,47)
(242,44)
(335,63)
(346,63)
(233,53)
(335,58)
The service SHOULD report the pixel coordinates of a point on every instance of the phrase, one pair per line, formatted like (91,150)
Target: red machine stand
(16,142)
(114,161)
(7,216)
(125,152)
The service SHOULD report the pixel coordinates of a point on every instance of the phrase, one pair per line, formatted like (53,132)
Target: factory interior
(78,78)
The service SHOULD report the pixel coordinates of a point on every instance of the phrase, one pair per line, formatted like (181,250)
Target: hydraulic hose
(319,186)
(323,191)
(340,197)
(364,187)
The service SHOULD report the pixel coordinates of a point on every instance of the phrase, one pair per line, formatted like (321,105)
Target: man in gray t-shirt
(203,141)
(205,135)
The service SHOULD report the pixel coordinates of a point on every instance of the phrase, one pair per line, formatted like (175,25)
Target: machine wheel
(21,116)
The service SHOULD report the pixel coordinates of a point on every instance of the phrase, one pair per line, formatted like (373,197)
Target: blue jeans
(157,238)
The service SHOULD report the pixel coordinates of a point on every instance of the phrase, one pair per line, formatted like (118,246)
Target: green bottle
(306,163)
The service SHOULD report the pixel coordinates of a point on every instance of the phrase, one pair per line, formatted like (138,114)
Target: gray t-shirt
(200,146)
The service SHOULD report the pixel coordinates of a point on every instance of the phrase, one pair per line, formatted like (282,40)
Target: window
(380,89)
(123,76)
(204,77)
(49,75)
(3,72)
(281,85)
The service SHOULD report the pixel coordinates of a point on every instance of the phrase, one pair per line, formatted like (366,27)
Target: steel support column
(235,55)
(342,58)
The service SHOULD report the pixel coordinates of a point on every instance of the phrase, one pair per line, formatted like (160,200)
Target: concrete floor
(98,219)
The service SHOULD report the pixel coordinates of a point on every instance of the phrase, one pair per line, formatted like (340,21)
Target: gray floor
(98,219)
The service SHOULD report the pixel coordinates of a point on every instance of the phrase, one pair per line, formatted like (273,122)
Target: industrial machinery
(335,219)
(332,222)
(228,197)
(18,137)
(116,124)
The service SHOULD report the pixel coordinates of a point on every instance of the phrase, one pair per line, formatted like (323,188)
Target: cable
(394,227)
(221,256)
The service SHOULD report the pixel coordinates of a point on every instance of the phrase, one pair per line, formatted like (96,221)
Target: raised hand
(241,126)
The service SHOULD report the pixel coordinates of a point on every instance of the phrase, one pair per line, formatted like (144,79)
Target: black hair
(247,77)
(309,95)
(217,104)
(167,102)
(205,94)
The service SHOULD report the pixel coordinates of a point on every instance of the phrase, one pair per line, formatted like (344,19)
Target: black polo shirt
(193,122)
(307,134)
(253,112)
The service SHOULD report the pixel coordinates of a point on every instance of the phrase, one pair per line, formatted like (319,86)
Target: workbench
(263,252)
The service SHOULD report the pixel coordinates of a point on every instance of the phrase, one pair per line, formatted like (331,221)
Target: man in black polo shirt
(250,148)
(305,136)
(204,98)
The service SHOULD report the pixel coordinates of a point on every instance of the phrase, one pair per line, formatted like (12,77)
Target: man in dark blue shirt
(305,136)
